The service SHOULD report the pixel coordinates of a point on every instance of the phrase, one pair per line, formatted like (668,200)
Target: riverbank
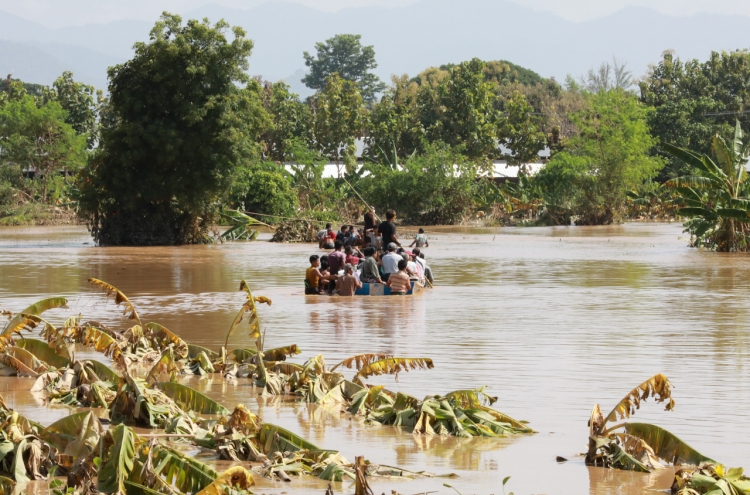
(552,320)
(40,214)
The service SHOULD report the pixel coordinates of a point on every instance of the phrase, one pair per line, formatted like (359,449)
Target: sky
(62,13)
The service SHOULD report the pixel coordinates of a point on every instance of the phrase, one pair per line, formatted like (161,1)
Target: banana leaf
(470,398)
(361,360)
(73,433)
(666,445)
(36,309)
(394,366)
(132,488)
(28,458)
(194,350)
(186,474)
(658,386)
(44,352)
(274,438)
(7,486)
(104,372)
(623,460)
(118,462)
(165,365)
(119,298)
(334,472)
(235,477)
(280,353)
(190,399)
(160,338)
(100,341)
(29,360)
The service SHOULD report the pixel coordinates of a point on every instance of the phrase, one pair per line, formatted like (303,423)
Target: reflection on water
(551,320)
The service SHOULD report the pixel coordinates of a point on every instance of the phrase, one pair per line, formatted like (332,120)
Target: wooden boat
(384,290)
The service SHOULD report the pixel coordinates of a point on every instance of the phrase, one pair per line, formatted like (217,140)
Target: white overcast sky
(60,13)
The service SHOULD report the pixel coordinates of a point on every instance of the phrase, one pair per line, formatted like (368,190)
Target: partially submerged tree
(187,115)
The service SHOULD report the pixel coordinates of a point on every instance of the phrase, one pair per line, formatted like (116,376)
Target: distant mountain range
(406,39)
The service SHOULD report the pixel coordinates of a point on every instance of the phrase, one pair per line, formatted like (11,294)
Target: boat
(375,289)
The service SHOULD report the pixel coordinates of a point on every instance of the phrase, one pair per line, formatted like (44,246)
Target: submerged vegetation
(141,389)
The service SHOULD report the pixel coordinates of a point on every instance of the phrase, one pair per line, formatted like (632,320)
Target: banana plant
(637,446)
(716,199)
(240,226)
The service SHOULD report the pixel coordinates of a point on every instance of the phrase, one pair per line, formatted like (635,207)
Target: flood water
(551,320)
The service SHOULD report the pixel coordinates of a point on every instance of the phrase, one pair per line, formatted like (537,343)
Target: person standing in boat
(387,229)
(370,227)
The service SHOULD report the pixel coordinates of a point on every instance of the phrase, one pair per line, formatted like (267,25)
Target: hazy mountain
(406,39)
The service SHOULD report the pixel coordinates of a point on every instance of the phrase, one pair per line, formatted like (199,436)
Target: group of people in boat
(369,255)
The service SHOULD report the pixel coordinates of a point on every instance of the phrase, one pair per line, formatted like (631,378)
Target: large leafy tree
(519,131)
(37,138)
(608,157)
(344,55)
(460,110)
(81,102)
(290,120)
(695,100)
(338,119)
(394,131)
(186,115)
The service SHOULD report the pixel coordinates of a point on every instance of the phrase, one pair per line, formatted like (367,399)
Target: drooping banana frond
(37,309)
(160,337)
(118,461)
(44,352)
(280,353)
(470,398)
(186,474)
(242,420)
(190,399)
(167,365)
(666,445)
(658,386)
(76,435)
(235,477)
(19,324)
(361,360)
(27,359)
(394,366)
(119,298)
(100,341)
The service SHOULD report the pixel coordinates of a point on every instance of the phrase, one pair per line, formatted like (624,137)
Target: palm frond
(394,366)
(119,298)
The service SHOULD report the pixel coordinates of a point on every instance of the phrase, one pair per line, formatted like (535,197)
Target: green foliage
(37,138)
(685,94)
(344,55)
(609,157)
(460,110)
(264,188)
(338,119)
(186,116)
(434,188)
(716,197)
(519,132)
(81,102)
(291,120)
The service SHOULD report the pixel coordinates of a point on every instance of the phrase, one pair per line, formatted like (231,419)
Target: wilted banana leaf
(274,438)
(334,472)
(394,366)
(25,322)
(31,460)
(160,338)
(361,360)
(118,461)
(104,372)
(76,435)
(658,386)
(194,350)
(119,298)
(666,445)
(101,342)
(186,474)
(7,486)
(190,399)
(235,477)
(28,359)
(470,398)
(280,353)
(625,461)
(44,352)
(14,366)
(166,365)
(35,309)
(132,488)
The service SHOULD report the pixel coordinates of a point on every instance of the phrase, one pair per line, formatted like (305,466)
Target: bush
(435,188)
(264,189)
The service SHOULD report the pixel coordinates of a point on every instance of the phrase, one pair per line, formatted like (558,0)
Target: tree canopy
(344,55)
(187,115)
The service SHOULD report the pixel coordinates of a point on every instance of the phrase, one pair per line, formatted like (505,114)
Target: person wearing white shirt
(390,261)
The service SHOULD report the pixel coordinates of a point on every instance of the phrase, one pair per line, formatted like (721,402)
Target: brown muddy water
(551,320)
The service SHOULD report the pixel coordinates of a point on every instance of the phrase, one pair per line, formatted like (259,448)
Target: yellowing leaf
(657,386)
(119,298)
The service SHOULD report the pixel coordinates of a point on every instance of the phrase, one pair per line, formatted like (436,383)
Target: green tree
(186,115)
(81,102)
(290,120)
(37,138)
(344,55)
(519,131)
(338,120)
(460,110)
(608,158)
(394,131)
(695,100)
(264,188)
